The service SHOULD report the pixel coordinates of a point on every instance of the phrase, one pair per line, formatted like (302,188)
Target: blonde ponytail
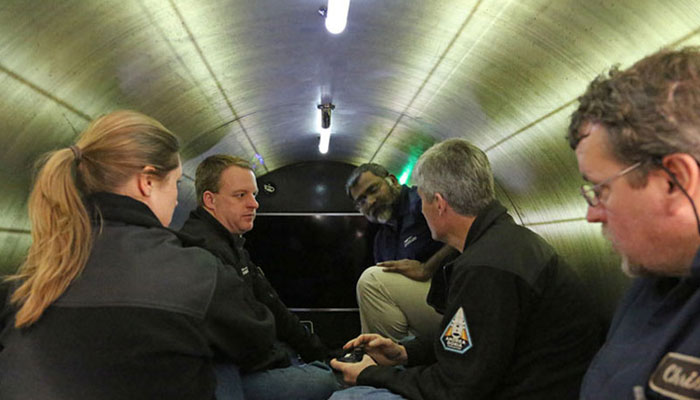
(110,151)
(61,240)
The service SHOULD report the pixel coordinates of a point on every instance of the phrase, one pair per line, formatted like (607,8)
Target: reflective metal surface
(244,77)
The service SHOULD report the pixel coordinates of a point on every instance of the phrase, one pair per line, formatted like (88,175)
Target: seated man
(392,295)
(637,141)
(226,190)
(517,323)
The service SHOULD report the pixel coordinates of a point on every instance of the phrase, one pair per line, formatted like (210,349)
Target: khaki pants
(394,306)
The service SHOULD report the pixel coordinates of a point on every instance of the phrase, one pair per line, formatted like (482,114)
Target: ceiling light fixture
(325,141)
(325,128)
(336,15)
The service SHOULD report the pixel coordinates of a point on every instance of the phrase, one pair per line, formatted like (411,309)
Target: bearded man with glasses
(636,135)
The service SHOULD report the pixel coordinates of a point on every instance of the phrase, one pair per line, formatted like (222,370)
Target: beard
(382,211)
(628,267)
(633,268)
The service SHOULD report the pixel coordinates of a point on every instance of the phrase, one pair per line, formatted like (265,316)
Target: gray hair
(376,169)
(460,172)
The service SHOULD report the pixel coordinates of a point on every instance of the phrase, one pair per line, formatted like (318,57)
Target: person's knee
(369,280)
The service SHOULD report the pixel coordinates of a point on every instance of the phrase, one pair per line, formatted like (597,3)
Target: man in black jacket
(517,324)
(226,190)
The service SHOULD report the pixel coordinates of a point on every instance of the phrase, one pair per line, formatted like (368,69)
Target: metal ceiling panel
(245,77)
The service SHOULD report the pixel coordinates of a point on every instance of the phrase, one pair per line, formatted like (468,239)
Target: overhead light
(325,126)
(337,15)
(325,141)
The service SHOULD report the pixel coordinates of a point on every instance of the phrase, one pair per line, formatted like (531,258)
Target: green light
(407,172)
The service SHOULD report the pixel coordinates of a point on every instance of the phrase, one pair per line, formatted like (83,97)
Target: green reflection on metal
(415,152)
(405,174)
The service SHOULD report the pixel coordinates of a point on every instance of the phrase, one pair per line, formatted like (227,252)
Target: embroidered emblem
(244,271)
(677,377)
(456,336)
(409,240)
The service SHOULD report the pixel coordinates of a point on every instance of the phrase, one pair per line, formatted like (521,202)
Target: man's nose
(595,213)
(369,201)
(253,203)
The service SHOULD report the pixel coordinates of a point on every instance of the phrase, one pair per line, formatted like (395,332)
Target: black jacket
(228,247)
(146,319)
(517,324)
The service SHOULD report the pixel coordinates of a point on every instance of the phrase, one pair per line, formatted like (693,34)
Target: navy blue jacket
(406,234)
(653,343)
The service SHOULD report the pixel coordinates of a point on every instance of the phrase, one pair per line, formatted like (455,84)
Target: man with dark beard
(637,141)
(392,294)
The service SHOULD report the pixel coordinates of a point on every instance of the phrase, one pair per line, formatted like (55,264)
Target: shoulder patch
(456,336)
(677,377)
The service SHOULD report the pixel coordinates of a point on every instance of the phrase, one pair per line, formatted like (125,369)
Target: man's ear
(208,199)
(146,180)
(392,179)
(687,172)
(441,203)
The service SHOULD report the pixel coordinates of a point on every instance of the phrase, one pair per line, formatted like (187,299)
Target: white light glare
(337,15)
(325,141)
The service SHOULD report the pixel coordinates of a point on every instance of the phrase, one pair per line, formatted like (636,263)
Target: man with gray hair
(517,323)
(636,134)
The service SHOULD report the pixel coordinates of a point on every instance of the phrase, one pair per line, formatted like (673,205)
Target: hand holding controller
(353,355)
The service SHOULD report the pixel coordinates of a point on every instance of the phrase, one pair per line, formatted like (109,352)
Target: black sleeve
(490,300)
(6,310)
(289,328)
(237,325)
(420,351)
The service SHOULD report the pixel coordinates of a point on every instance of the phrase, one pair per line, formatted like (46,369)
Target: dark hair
(648,110)
(208,175)
(376,169)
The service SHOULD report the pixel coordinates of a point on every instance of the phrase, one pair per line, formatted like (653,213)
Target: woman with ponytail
(110,303)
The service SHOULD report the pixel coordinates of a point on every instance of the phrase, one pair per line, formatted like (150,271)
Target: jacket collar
(115,207)
(204,215)
(695,267)
(483,221)
(125,209)
(402,207)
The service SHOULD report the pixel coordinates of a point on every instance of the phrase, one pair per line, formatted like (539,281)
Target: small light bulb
(337,15)
(325,141)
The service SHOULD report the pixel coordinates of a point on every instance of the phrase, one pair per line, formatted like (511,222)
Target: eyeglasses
(592,193)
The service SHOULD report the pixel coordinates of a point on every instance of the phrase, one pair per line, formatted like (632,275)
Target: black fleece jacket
(517,323)
(213,236)
(146,319)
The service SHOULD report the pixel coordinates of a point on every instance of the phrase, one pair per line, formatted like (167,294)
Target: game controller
(353,355)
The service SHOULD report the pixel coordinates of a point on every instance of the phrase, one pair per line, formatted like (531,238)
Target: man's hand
(410,268)
(382,350)
(352,370)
